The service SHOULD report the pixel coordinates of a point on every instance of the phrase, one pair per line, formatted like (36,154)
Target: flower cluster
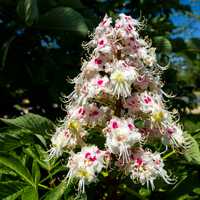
(86,164)
(118,94)
(145,167)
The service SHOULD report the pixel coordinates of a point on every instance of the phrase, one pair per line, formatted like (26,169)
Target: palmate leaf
(36,172)
(28,11)
(17,166)
(29,193)
(192,154)
(163,44)
(6,171)
(185,186)
(32,122)
(10,189)
(58,191)
(9,143)
(63,19)
(14,195)
(39,155)
(12,138)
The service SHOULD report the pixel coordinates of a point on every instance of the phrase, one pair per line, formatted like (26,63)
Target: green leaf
(197,135)
(28,10)
(6,170)
(32,122)
(197,190)
(39,155)
(11,189)
(30,193)
(57,192)
(192,154)
(63,19)
(8,143)
(36,172)
(12,138)
(16,165)
(144,192)
(139,123)
(185,187)
(13,196)
(162,44)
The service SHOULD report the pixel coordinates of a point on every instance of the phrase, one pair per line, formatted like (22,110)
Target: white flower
(104,27)
(150,102)
(146,167)
(150,58)
(132,103)
(122,78)
(120,136)
(90,68)
(78,113)
(126,26)
(98,86)
(85,165)
(142,82)
(61,140)
(103,46)
(97,116)
(174,135)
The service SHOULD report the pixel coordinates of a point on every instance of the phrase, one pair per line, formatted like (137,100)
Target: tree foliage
(40,47)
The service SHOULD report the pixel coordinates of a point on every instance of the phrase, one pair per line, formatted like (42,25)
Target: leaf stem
(44,186)
(169,154)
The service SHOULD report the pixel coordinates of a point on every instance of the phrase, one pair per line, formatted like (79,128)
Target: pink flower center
(98,151)
(141,78)
(100,82)
(138,162)
(130,126)
(94,113)
(87,154)
(133,102)
(127,18)
(129,28)
(114,125)
(90,157)
(103,22)
(98,61)
(170,131)
(81,111)
(157,162)
(147,100)
(101,43)
(66,134)
(117,26)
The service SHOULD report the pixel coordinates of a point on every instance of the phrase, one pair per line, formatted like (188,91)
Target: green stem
(44,186)
(169,154)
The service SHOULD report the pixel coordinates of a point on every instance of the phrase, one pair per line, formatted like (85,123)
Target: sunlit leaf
(58,191)
(14,195)
(36,172)
(29,193)
(32,122)
(192,154)
(10,190)
(39,155)
(16,165)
